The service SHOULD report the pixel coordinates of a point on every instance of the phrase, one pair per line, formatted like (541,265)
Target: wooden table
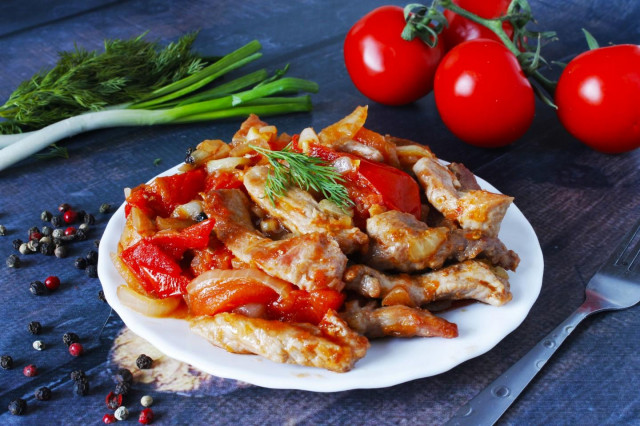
(580,203)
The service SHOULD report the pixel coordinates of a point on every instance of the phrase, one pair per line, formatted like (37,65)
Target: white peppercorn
(146,401)
(38,345)
(121,413)
(57,233)
(24,249)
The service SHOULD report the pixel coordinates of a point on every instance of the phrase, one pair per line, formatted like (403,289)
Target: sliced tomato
(192,237)
(306,306)
(397,189)
(158,272)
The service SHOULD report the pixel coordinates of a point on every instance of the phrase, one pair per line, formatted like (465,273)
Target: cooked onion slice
(247,275)
(147,305)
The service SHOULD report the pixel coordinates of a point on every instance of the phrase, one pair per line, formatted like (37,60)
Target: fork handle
(487,407)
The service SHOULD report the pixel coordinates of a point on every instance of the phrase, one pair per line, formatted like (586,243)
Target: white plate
(388,361)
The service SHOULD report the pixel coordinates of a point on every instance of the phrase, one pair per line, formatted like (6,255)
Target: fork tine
(627,254)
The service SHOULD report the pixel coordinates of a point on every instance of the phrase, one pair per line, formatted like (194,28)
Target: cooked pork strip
(473,209)
(299,212)
(466,179)
(470,279)
(397,321)
(399,241)
(331,345)
(338,133)
(310,261)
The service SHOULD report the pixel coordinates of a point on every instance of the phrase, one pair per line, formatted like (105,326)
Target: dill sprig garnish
(85,80)
(308,173)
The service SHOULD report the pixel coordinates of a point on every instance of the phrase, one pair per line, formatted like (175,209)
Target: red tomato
(482,94)
(598,98)
(385,67)
(227,296)
(306,306)
(461,29)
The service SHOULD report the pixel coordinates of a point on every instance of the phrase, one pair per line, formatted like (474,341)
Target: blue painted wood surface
(580,203)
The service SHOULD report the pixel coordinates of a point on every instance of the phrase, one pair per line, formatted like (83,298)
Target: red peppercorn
(113,400)
(52,282)
(70,231)
(30,370)
(108,419)
(35,236)
(146,416)
(76,349)
(70,216)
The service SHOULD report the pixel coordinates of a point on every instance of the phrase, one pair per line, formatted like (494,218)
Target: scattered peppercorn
(46,231)
(92,257)
(33,245)
(47,249)
(6,362)
(124,376)
(121,413)
(122,388)
(60,252)
(43,394)
(16,243)
(91,271)
(80,263)
(146,416)
(52,282)
(38,345)
(83,227)
(101,296)
(69,338)
(34,327)
(76,349)
(81,387)
(89,219)
(113,400)
(24,249)
(105,208)
(63,207)
(17,407)
(3,230)
(46,216)
(57,221)
(144,362)
(96,243)
(37,288)
(30,370)
(13,261)
(69,231)
(80,235)
(108,419)
(146,401)
(57,233)
(201,216)
(78,375)
(33,231)
(70,216)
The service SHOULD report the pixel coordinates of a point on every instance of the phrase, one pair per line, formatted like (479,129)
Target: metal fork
(615,286)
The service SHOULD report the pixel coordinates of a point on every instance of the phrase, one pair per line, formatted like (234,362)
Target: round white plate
(388,362)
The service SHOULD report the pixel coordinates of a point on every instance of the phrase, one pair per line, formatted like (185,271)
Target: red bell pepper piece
(306,306)
(192,237)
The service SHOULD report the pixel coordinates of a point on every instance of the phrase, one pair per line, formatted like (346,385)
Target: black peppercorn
(46,231)
(89,219)
(101,296)
(17,243)
(63,207)
(80,214)
(91,271)
(201,216)
(96,243)
(69,338)
(78,375)
(33,230)
(3,230)
(43,394)
(57,221)
(80,263)
(122,388)
(80,235)
(124,376)
(18,407)
(92,257)
(60,251)
(105,208)
(47,249)
(143,362)
(35,327)
(13,261)
(37,288)
(46,216)
(81,387)
(6,362)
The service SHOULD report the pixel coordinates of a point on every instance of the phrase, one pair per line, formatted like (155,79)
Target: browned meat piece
(397,321)
(299,212)
(331,345)
(399,241)
(310,261)
(466,179)
(473,209)
(344,130)
(467,280)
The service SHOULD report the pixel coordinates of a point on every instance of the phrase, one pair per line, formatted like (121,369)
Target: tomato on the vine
(461,29)
(482,94)
(598,98)
(385,67)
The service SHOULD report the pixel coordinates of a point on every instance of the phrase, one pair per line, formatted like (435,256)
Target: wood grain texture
(580,203)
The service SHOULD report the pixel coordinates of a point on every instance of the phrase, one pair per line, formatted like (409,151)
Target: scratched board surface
(579,202)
